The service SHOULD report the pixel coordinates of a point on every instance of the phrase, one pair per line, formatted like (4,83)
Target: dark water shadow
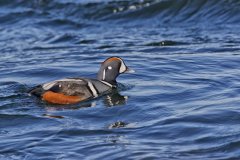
(166,43)
(114,99)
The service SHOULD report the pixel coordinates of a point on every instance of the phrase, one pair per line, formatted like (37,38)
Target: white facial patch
(123,67)
(109,67)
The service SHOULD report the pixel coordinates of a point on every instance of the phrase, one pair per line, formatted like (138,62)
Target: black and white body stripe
(93,89)
(78,86)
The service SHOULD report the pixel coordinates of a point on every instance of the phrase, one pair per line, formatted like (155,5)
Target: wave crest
(158,11)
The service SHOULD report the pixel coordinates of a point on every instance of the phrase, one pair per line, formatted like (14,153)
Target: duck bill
(128,70)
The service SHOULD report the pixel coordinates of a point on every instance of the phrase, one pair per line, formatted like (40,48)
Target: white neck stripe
(108,84)
(104,74)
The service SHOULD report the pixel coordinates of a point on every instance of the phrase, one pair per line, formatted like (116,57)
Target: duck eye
(109,67)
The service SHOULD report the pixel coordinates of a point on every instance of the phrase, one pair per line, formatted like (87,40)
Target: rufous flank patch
(58,98)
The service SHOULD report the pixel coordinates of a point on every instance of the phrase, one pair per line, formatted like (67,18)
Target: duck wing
(70,90)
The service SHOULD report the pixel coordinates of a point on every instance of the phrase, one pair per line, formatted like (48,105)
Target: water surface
(181,103)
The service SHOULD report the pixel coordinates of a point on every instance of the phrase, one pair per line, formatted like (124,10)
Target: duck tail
(36,91)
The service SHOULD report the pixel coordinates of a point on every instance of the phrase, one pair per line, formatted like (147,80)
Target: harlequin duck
(74,90)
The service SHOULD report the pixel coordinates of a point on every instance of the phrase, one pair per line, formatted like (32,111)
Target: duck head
(111,68)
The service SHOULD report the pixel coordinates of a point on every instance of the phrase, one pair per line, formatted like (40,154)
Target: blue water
(183,101)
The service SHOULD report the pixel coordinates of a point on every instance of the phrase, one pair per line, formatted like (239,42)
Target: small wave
(63,38)
(105,46)
(65,23)
(157,11)
(10,89)
(171,11)
(166,43)
(86,41)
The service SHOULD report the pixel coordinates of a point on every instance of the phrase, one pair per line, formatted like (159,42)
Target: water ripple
(181,103)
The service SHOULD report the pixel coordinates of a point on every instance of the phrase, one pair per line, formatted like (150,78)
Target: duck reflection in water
(115,99)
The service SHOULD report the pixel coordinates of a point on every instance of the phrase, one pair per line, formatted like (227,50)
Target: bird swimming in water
(75,90)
